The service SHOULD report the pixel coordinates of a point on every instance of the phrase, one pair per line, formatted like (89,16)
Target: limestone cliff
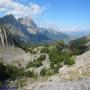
(6,38)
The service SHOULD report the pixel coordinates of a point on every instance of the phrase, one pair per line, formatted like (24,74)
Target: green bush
(41,58)
(10,72)
(34,64)
(58,59)
(3,73)
(69,61)
(55,67)
(44,50)
(29,74)
(34,52)
(43,72)
(60,45)
(55,56)
(14,72)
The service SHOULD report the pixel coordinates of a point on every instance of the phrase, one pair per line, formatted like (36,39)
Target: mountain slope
(32,29)
(25,31)
(29,24)
(14,27)
(54,35)
(43,33)
(20,31)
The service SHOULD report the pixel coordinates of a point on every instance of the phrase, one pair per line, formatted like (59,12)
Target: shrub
(41,58)
(43,72)
(14,72)
(44,50)
(34,52)
(34,64)
(29,74)
(3,73)
(56,70)
(10,72)
(55,56)
(60,45)
(69,61)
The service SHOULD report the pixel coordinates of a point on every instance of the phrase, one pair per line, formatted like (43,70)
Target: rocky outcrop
(6,39)
(29,24)
(58,84)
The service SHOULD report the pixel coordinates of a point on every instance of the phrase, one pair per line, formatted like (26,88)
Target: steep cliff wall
(6,38)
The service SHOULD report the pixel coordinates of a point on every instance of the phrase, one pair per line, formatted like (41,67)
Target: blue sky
(64,13)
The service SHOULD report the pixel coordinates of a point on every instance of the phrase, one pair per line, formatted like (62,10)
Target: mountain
(32,29)
(48,33)
(14,27)
(78,34)
(21,32)
(12,32)
(54,35)
(80,45)
(29,24)
(24,31)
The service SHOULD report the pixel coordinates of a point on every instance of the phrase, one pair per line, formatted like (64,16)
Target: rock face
(6,39)
(75,77)
(25,30)
(83,84)
(29,24)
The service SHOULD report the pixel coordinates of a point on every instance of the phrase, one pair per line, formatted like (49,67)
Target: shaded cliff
(6,38)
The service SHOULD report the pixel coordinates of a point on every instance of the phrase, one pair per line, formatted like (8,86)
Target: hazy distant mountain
(54,35)
(78,34)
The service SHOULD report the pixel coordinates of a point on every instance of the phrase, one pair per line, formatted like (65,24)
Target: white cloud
(62,28)
(20,10)
(36,8)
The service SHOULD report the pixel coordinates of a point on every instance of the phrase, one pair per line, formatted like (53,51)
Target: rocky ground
(76,77)
(14,56)
(55,83)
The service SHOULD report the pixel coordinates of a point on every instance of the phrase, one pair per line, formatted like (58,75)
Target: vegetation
(78,46)
(3,73)
(41,58)
(60,45)
(34,63)
(69,61)
(10,72)
(43,72)
(29,74)
(44,50)
(59,58)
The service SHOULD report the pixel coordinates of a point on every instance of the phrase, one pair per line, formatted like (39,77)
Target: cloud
(36,8)
(20,10)
(62,28)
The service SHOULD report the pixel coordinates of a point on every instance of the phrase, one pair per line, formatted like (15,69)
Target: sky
(63,15)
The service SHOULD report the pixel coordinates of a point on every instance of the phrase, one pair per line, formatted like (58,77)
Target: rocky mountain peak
(29,24)
(8,19)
